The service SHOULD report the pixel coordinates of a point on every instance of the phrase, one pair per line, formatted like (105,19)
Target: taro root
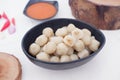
(10,67)
(102,14)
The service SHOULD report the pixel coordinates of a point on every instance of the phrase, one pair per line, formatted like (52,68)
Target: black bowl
(32,34)
(31,2)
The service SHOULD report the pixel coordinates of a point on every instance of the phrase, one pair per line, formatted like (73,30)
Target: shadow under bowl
(33,33)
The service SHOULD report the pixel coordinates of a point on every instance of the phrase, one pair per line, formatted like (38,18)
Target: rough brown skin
(10,67)
(101,16)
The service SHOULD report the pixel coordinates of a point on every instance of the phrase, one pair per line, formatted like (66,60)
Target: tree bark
(106,17)
(10,67)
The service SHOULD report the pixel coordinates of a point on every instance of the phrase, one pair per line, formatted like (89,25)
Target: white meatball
(61,32)
(94,45)
(87,48)
(69,40)
(54,59)
(61,49)
(34,49)
(74,57)
(77,33)
(65,58)
(70,51)
(48,32)
(70,27)
(92,37)
(86,32)
(50,48)
(41,40)
(43,56)
(84,53)
(56,39)
(41,49)
(79,45)
(86,39)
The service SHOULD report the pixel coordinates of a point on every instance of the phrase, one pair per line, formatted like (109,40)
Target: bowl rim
(59,63)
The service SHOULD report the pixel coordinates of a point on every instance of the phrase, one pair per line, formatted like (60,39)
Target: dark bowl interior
(31,2)
(33,33)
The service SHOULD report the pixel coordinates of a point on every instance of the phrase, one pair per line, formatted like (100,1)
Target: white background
(105,66)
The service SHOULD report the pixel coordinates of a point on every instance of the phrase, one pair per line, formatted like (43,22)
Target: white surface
(105,66)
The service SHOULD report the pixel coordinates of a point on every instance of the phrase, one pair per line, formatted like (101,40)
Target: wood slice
(10,67)
(102,15)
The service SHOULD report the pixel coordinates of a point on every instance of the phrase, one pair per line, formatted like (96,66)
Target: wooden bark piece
(101,16)
(10,67)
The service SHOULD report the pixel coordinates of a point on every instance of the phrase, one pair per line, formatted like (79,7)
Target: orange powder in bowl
(41,10)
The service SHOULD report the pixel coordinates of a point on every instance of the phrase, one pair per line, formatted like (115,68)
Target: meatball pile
(67,44)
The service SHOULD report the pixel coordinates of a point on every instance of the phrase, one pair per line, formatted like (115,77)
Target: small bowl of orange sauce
(41,10)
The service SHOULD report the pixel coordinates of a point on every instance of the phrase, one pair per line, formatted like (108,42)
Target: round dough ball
(65,58)
(86,39)
(86,32)
(48,32)
(74,57)
(50,48)
(70,51)
(42,49)
(43,56)
(41,40)
(34,49)
(70,27)
(56,39)
(77,33)
(61,32)
(84,53)
(62,49)
(54,59)
(92,37)
(94,45)
(79,45)
(69,40)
